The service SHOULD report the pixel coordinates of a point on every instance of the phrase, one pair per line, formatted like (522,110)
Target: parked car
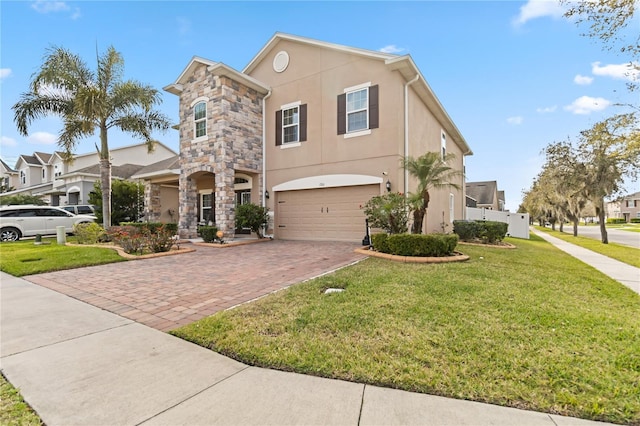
(80,209)
(30,220)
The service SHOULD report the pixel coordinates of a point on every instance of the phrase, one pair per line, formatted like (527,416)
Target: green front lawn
(21,258)
(531,328)
(13,410)
(626,254)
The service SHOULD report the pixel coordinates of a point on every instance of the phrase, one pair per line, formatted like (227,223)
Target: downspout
(406,131)
(264,149)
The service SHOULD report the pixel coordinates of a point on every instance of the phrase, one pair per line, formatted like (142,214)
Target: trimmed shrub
(616,220)
(252,216)
(379,242)
(89,233)
(208,233)
(635,220)
(153,226)
(466,229)
(430,245)
(490,232)
(388,212)
(493,232)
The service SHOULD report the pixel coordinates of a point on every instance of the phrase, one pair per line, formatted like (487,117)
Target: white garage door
(335,214)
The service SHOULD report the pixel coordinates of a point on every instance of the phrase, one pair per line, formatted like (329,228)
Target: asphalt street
(615,235)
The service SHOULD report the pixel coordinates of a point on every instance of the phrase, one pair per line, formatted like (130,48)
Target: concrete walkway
(77,364)
(619,271)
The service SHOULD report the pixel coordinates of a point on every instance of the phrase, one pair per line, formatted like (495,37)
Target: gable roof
(170,165)
(482,192)
(218,68)
(124,171)
(30,160)
(44,157)
(403,64)
(6,167)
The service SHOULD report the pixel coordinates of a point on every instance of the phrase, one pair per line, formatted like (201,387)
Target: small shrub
(127,237)
(388,212)
(89,233)
(208,233)
(379,242)
(153,226)
(490,232)
(616,220)
(467,230)
(159,239)
(252,216)
(635,220)
(430,245)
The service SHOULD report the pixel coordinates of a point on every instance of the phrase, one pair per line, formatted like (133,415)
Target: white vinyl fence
(518,222)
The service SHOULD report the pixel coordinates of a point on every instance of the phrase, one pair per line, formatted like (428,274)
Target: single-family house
(485,195)
(310,129)
(627,207)
(8,177)
(60,182)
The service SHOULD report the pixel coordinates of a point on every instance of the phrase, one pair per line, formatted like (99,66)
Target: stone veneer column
(188,196)
(225,199)
(152,201)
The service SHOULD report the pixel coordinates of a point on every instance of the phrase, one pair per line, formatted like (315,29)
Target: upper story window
(291,124)
(23,177)
(200,119)
(358,110)
(443,144)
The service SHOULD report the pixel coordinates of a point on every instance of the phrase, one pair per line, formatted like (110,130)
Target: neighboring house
(485,195)
(626,208)
(310,129)
(63,183)
(8,177)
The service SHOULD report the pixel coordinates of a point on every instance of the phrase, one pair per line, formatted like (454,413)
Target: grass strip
(626,254)
(13,410)
(531,328)
(20,258)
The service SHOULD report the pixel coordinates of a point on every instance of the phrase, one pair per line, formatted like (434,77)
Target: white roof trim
(282,36)
(327,181)
(157,173)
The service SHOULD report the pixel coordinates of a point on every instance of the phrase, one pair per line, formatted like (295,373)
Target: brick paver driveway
(168,292)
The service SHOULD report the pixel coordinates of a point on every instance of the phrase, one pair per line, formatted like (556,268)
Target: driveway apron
(171,291)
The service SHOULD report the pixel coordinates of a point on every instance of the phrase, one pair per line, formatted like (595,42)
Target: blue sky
(513,75)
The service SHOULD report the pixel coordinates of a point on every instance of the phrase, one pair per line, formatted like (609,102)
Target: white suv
(29,220)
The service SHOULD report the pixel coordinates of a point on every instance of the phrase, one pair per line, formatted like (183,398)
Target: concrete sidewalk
(625,274)
(76,364)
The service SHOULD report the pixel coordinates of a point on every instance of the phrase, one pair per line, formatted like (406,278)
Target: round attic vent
(281,61)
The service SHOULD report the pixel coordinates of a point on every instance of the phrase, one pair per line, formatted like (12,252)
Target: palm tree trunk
(418,218)
(105,177)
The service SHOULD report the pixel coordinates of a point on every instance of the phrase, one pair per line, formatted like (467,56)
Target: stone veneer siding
(152,201)
(233,143)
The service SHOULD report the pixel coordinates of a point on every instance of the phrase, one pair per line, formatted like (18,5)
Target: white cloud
(618,71)
(546,110)
(46,6)
(7,141)
(4,73)
(184,25)
(76,14)
(517,120)
(582,80)
(586,104)
(42,138)
(537,9)
(391,48)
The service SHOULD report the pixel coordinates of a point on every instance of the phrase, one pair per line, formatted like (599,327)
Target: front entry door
(243,197)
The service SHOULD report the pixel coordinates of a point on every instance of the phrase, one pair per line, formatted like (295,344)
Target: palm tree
(432,171)
(87,101)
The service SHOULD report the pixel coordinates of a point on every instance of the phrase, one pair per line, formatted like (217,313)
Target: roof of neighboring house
(483,192)
(31,159)
(124,171)
(403,64)
(7,168)
(43,157)
(501,196)
(111,150)
(635,195)
(167,166)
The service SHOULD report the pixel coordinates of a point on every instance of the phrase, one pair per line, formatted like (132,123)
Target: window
(358,109)
(451,207)
(206,212)
(631,203)
(200,119)
(23,177)
(443,143)
(291,124)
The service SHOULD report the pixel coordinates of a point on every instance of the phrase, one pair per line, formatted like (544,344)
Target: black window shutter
(342,114)
(303,123)
(279,127)
(373,107)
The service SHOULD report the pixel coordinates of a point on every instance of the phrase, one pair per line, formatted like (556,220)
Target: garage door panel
(323,214)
